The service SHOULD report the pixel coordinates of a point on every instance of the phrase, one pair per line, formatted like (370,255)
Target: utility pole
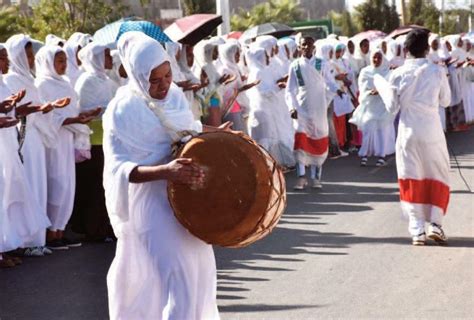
(222,8)
(404,12)
(471,19)
(441,19)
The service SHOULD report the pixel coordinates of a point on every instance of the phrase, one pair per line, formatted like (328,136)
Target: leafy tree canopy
(377,15)
(282,11)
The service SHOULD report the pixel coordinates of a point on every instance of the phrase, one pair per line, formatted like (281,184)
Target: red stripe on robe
(340,126)
(315,147)
(426,191)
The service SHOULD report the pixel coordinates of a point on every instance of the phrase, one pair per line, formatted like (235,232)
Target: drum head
(237,191)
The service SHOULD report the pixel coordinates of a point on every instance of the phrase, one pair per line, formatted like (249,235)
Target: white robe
(19,218)
(60,155)
(38,135)
(306,93)
(265,117)
(421,150)
(372,118)
(160,270)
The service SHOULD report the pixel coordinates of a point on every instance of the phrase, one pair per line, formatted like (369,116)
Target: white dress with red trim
(421,150)
(306,93)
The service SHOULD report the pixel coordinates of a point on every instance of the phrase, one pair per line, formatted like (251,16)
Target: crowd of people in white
(302,100)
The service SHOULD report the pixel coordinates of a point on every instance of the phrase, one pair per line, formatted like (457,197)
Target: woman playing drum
(160,271)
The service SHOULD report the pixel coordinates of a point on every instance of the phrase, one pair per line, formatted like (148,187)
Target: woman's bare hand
(6,122)
(26,109)
(184,171)
(61,103)
(249,85)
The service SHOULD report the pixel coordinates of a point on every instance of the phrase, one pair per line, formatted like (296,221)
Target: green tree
(424,13)
(415,12)
(456,21)
(345,22)
(64,17)
(199,6)
(9,22)
(282,11)
(377,15)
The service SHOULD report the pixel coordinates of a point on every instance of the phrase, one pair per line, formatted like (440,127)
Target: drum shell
(244,196)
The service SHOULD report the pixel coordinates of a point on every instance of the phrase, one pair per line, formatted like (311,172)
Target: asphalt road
(339,253)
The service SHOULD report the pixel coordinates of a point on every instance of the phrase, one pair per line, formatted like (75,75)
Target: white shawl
(139,130)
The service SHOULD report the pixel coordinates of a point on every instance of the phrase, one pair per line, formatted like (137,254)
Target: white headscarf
(173,48)
(184,67)
(394,57)
(75,42)
(259,70)
(323,51)
(145,127)
(93,59)
(19,77)
(267,43)
(17,56)
(52,86)
(113,73)
(140,54)
(290,45)
(433,55)
(4,91)
(203,61)
(457,52)
(53,40)
(227,54)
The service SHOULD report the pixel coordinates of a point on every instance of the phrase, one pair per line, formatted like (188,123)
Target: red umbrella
(404,30)
(192,29)
(234,35)
(371,35)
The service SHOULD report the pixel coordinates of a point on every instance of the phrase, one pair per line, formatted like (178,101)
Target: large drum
(244,195)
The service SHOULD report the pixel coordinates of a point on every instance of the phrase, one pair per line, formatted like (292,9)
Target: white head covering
(114,73)
(395,53)
(140,54)
(203,61)
(457,52)
(93,59)
(184,67)
(433,55)
(44,61)
(17,56)
(323,51)
(227,54)
(267,43)
(259,70)
(52,86)
(290,44)
(71,47)
(53,40)
(256,58)
(173,48)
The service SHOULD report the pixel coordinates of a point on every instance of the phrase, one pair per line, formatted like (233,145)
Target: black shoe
(72,243)
(57,244)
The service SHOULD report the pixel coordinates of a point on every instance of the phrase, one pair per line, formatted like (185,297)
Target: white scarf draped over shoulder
(20,77)
(139,130)
(94,87)
(52,86)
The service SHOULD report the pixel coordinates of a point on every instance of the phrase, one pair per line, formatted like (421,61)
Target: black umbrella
(192,29)
(277,30)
